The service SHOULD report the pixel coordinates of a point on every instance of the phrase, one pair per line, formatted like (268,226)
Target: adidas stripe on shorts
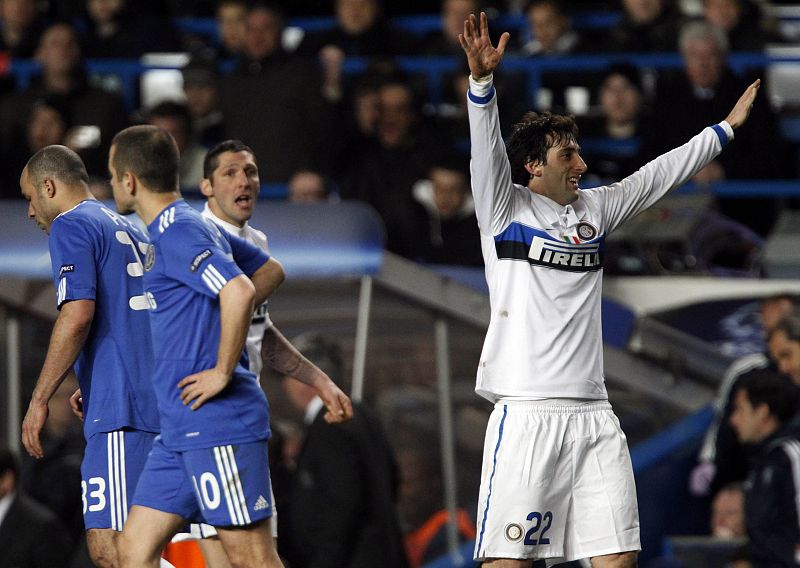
(110,470)
(557,483)
(223,486)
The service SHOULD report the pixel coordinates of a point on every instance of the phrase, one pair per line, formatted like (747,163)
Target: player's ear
(205,187)
(533,169)
(49,187)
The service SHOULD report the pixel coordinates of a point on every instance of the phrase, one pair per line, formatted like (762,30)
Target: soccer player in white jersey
(557,481)
(231,185)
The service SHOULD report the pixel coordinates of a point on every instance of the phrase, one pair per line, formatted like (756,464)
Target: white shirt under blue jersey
(260,322)
(189,261)
(544,260)
(96,255)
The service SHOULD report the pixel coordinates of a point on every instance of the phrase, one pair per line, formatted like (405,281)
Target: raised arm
(741,110)
(482,56)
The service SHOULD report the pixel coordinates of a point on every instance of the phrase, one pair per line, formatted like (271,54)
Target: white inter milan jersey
(261,321)
(544,261)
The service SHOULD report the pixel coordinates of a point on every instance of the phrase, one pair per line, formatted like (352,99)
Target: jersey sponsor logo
(587,231)
(520,242)
(261,504)
(65,268)
(150,258)
(198,260)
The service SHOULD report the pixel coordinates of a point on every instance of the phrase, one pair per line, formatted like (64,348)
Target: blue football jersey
(97,255)
(189,261)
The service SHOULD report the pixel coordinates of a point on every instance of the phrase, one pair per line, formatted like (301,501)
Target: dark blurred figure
(445,194)
(231,16)
(308,186)
(112,30)
(31,536)
(706,87)
(646,26)
(765,417)
(96,114)
(21,24)
(274,99)
(453,13)
(55,480)
(611,143)
(744,23)
(550,29)
(727,512)
(174,117)
(343,506)
(362,30)
(201,86)
(383,172)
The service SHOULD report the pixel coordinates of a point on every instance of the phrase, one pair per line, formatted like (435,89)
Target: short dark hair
(58,162)
(211,161)
(172,109)
(790,325)
(777,391)
(532,136)
(149,153)
(8,461)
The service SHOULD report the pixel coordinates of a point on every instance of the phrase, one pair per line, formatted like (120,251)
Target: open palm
(482,56)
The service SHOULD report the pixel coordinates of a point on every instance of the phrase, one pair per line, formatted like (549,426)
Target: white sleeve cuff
(728,129)
(483,86)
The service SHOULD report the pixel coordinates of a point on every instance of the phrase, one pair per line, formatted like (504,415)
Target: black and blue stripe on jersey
(521,242)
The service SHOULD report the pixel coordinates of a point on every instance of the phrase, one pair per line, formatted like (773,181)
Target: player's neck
(71,199)
(150,204)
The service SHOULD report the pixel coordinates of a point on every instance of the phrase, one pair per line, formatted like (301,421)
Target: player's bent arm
(267,279)
(236,302)
(66,341)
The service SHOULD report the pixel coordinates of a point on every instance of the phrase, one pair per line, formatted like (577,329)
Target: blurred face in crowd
(233,187)
(17,14)
(752,423)
(357,16)
(231,18)
(786,354)
(58,50)
(263,31)
(104,11)
(643,11)
(46,126)
(727,514)
(620,99)
(547,24)
(724,14)
(395,114)
(703,61)
(773,310)
(307,187)
(450,188)
(40,208)
(367,110)
(201,98)
(176,126)
(454,12)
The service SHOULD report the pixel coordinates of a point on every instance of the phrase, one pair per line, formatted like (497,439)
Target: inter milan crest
(586,231)
(150,258)
(513,532)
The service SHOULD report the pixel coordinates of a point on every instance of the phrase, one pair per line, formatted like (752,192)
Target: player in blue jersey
(231,185)
(102,332)
(557,482)
(210,462)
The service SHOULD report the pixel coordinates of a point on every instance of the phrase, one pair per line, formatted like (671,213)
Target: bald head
(59,163)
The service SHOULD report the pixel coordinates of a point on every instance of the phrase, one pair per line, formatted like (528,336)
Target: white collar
(229,227)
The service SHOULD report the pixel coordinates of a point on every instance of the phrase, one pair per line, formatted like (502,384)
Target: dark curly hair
(532,136)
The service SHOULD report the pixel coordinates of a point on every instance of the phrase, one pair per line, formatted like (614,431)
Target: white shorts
(199,531)
(556,484)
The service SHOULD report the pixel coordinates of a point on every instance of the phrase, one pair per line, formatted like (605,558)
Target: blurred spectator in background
(31,536)
(550,29)
(114,31)
(445,40)
(646,26)
(346,475)
(308,186)
(422,510)
(383,173)
(743,22)
(55,480)
(765,417)
(96,114)
(707,87)
(274,99)
(174,117)
(445,194)
(784,345)
(722,459)
(727,512)
(20,27)
(201,87)
(231,16)
(611,143)
(362,30)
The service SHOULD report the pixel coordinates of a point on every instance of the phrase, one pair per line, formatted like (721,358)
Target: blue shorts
(110,470)
(222,486)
